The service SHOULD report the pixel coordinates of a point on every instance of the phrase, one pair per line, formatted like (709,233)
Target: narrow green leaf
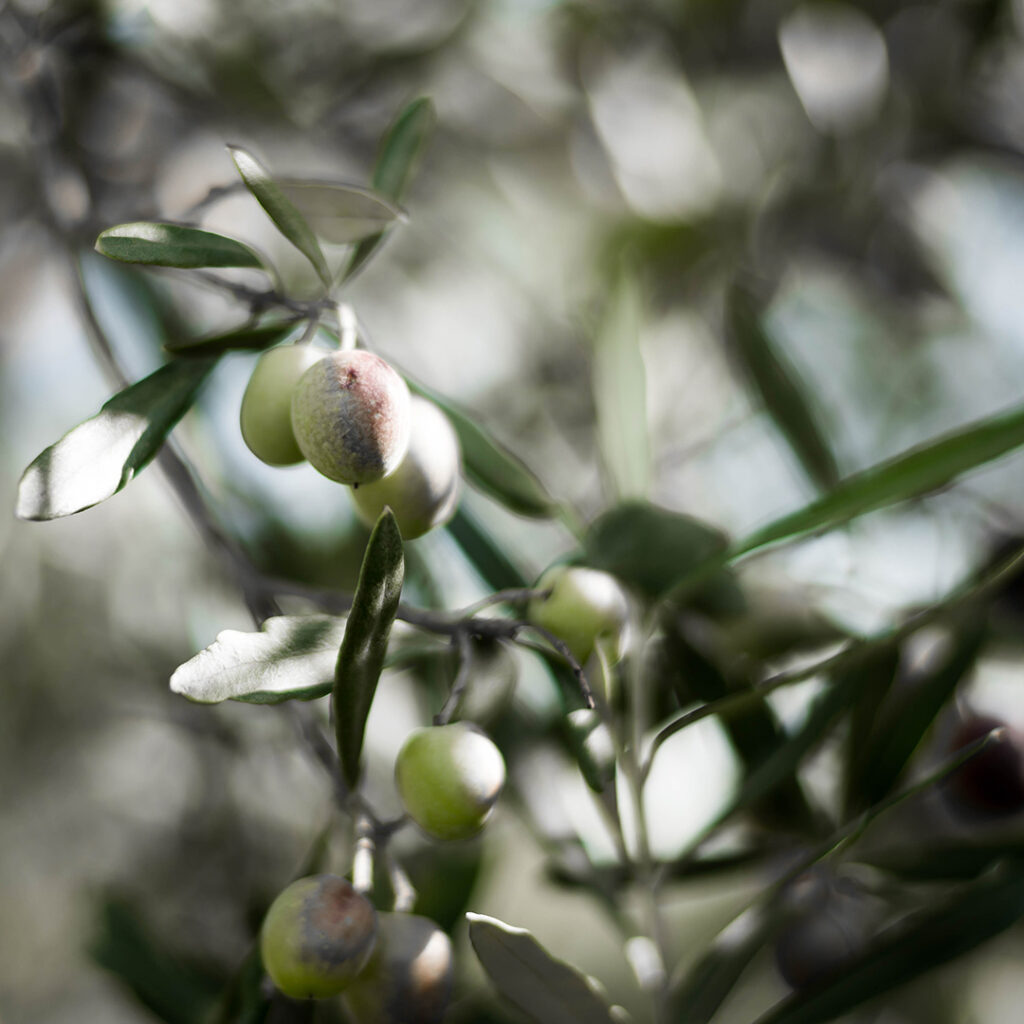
(365,645)
(649,547)
(99,457)
(943,860)
(873,678)
(249,337)
(928,940)
(699,995)
(341,214)
(913,473)
(399,149)
(280,209)
(779,387)
(900,732)
(547,990)
(620,391)
(486,557)
(291,657)
(174,245)
(492,468)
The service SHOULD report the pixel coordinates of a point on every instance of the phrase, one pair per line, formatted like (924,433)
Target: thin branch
(463,642)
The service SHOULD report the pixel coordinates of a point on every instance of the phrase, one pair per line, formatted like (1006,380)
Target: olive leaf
(174,245)
(290,657)
(280,209)
(100,456)
(546,989)
(249,337)
(365,643)
(338,213)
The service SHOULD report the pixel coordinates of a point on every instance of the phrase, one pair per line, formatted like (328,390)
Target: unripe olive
(449,777)
(424,490)
(266,415)
(584,606)
(817,949)
(350,414)
(317,936)
(991,783)
(408,979)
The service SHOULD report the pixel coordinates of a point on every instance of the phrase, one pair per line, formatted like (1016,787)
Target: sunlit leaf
(620,391)
(280,209)
(98,457)
(777,384)
(975,914)
(290,657)
(251,337)
(492,468)
(399,150)
(365,644)
(547,990)
(340,214)
(174,245)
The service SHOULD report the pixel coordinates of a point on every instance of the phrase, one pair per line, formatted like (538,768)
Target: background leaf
(547,990)
(395,163)
(291,657)
(492,468)
(650,548)
(779,387)
(174,245)
(251,337)
(489,560)
(98,457)
(340,214)
(365,644)
(974,915)
(280,209)
(620,391)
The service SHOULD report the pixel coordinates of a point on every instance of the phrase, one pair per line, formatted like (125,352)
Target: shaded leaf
(98,457)
(943,860)
(172,991)
(779,387)
(365,644)
(547,990)
(651,548)
(340,214)
(700,993)
(487,558)
(250,337)
(291,657)
(927,940)
(901,731)
(399,149)
(491,467)
(280,209)
(174,245)
(916,472)
(620,391)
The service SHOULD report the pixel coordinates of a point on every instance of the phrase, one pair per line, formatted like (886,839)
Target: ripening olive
(449,777)
(424,490)
(351,417)
(408,979)
(317,936)
(266,414)
(584,606)
(991,783)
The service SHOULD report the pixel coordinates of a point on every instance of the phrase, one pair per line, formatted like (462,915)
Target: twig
(464,645)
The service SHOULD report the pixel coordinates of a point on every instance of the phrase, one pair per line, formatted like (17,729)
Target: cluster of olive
(351,416)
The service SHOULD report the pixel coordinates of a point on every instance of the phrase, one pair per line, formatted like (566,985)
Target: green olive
(317,936)
(408,979)
(424,490)
(449,777)
(266,414)
(584,606)
(351,417)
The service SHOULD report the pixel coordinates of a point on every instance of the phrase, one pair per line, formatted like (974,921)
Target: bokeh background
(862,161)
